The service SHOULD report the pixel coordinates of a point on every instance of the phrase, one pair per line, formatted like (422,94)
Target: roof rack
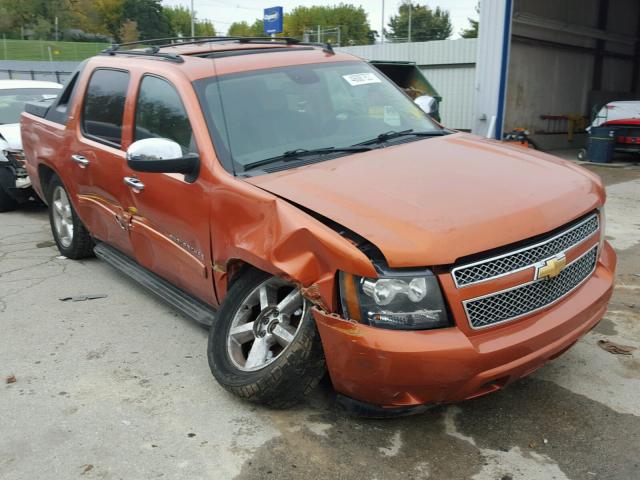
(154,45)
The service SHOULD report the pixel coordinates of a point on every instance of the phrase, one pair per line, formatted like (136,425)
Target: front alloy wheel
(265,325)
(264,345)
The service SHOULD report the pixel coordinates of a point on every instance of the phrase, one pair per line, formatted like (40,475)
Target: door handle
(134,183)
(80,160)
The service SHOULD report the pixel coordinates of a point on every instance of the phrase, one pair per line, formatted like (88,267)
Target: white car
(617,112)
(15,186)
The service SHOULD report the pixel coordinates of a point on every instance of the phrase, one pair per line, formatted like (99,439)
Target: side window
(161,114)
(104,106)
(59,112)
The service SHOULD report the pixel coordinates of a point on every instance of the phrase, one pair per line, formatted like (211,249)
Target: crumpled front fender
(251,226)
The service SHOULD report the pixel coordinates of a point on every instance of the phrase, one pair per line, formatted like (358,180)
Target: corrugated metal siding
(455,84)
(441,52)
(448,64)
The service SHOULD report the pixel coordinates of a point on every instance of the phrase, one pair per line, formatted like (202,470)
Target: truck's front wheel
(264,345)
(70,234)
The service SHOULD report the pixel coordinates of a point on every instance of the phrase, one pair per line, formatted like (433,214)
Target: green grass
(39,50)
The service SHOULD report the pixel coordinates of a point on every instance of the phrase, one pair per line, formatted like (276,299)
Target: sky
(224,12)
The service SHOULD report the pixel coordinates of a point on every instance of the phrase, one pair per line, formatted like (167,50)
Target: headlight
(3,156)
(603,229)
(401,301)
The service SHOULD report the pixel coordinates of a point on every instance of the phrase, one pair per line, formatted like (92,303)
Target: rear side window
(104,106)
(160,113)
(59,113)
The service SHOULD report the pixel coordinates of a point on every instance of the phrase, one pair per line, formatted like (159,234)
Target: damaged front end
(253,228)
(14,179)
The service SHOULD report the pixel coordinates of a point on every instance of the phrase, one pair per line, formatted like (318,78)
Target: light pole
(382,26)
(193,21)
(409,21)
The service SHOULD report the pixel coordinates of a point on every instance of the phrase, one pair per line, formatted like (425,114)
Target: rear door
(96,159)
(170,224)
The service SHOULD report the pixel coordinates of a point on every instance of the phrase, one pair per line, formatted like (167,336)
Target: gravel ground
(119,388)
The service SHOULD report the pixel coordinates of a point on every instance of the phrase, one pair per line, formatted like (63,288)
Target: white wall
(449,65)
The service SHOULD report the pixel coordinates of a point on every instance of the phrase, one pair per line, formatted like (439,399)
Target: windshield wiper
(383,137)
(298,153)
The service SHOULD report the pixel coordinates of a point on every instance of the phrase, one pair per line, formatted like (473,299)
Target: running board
(180,300)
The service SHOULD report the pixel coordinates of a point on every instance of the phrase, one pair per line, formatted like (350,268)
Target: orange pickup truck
(298,202)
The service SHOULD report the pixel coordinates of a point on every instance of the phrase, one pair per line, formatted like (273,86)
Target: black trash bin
(602,141)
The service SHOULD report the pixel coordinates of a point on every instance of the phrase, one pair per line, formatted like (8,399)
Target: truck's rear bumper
(399,369)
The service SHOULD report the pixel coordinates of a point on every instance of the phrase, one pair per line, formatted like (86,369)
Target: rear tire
(282,375)
(71,236)
(7,203)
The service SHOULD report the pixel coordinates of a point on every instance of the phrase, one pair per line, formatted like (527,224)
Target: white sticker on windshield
(356,79)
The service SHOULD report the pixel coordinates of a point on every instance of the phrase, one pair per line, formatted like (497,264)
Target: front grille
(525,299)
(525,257)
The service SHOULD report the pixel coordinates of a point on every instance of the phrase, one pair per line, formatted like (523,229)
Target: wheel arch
(45,174)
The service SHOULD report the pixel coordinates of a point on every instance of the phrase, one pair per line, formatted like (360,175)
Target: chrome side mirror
(427,103)
(154,149)
(161,155)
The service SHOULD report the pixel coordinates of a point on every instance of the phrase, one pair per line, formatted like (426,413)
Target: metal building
(545,65)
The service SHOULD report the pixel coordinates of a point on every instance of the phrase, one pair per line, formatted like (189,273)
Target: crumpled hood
(432,201)
(10,136)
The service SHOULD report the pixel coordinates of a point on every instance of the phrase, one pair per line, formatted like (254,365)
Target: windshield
(12,101)
(261,114)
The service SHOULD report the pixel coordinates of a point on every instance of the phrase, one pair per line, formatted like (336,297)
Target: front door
(170,216)
(96,160)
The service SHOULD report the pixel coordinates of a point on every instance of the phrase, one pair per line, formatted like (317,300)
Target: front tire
(264,345)
(70,234)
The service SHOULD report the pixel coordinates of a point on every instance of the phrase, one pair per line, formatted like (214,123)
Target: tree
(152,22)
(34,15)
(239,29)
(129,32)
(109,16)
(352,20)
(243,29)
(7,20)
(93,20)
(472,30)
(42,29)
(179,19)
(426,24)
(204,28)
(180,23)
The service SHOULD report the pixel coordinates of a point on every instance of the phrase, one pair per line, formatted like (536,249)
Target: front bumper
(392,369)
(18,188)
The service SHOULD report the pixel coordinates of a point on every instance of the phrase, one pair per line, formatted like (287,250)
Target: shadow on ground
(532,428)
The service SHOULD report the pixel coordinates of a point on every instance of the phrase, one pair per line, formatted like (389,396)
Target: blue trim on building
(504,68)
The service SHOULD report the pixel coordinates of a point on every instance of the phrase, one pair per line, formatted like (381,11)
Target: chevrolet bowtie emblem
(551,268)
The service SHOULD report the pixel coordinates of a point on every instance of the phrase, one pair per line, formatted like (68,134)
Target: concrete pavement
(119,388)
